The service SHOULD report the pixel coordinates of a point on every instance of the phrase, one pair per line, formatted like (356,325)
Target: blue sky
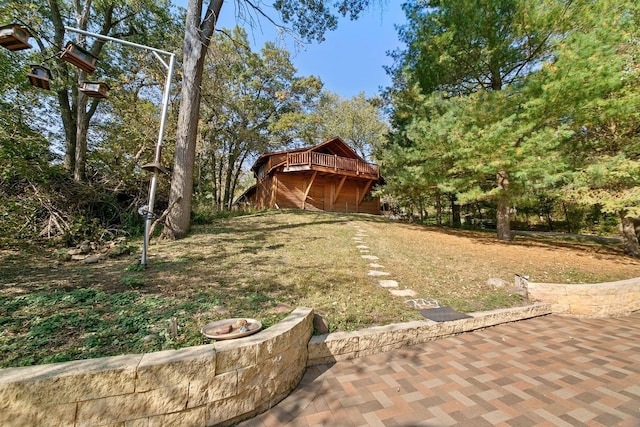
(351,58)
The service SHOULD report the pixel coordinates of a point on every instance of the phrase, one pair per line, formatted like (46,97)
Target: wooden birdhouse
(14,37)
(94,89)
(79,57)
(40,77)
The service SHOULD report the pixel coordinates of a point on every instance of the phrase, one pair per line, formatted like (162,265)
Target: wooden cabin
(328,177)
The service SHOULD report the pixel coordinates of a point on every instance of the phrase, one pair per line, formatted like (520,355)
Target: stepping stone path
(378,270)
(403,292)
(388,283)
(378,273)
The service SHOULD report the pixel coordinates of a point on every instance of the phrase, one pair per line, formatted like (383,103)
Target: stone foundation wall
(589,300)
(349,345)
(215,384)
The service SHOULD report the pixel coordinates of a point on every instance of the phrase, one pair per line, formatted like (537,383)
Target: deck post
(306,193)
(344,178)
(364,192)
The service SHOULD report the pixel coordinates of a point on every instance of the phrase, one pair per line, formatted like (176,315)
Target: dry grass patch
(52,311)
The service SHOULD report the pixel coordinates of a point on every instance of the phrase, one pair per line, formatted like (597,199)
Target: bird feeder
(94,90)
(14,37)
(155,167)
(40,77)
(79,57)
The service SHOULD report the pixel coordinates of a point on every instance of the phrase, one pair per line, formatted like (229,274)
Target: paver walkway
(547,371)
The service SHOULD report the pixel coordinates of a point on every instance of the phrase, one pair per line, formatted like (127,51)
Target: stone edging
(349,345)
(589,300)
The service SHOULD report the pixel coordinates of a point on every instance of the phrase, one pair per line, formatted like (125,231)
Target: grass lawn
(52,311)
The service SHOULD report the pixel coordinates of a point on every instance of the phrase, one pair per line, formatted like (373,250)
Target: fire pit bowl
(228,329)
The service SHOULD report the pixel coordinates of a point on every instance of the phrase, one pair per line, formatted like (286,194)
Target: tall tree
(198,32)
(459,48)
(357,120)
(570,125)
(590,92)
(310,19)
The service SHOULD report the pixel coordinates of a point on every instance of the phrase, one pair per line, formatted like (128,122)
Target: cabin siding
(287,191)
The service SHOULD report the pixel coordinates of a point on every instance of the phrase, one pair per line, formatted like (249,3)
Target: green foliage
(40,200)
(358,121)
(311,19)
(244,93)
(133,280)
(111,323)
(564,125)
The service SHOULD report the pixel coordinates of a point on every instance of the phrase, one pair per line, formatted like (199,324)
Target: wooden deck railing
(334,162)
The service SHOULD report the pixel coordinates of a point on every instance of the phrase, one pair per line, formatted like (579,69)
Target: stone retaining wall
(589,300)
(206,385)
(349,345)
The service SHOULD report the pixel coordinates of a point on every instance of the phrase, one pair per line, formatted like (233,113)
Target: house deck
(311,160)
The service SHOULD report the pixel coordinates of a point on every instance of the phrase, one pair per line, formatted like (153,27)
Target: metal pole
(154,178)
(113,39)
(165,104)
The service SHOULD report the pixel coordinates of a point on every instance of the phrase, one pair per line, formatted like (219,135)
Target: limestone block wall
(589,300)
(349,345)
(215,384)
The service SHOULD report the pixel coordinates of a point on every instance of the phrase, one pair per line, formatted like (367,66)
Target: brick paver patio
(547,371)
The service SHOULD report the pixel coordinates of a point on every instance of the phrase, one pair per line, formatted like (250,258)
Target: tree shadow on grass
(603,246)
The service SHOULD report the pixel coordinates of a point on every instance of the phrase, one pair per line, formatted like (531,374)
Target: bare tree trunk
(69,123)
(455,211)
(236,176)
(196,43)
(630,229)
(503,220)
(566,216)
(438,208)
(74,112)
(82,127)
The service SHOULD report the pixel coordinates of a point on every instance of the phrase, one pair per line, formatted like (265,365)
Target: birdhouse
(14,37)
(40,77)
(94,90)
(79,57)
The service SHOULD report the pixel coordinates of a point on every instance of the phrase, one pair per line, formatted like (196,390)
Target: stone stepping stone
(356,239)
(371,257)
(403,292)
(388,283)
(378,273)
(374,265)
(362,247)
(422,303)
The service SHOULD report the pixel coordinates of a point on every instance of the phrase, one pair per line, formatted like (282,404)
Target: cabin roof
(331,146)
